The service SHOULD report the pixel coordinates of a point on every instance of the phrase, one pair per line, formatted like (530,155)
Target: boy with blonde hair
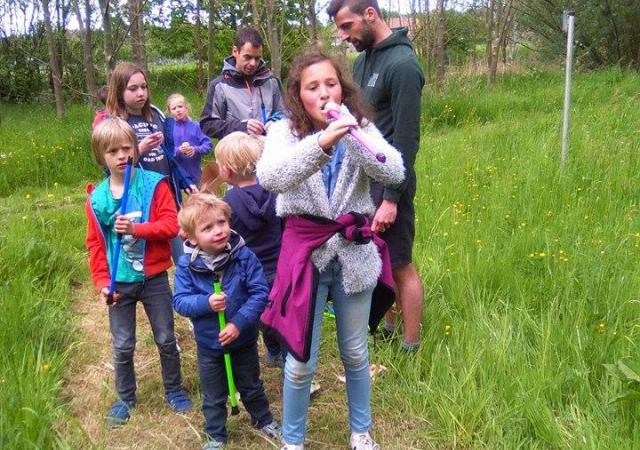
(145,230)
(254,212)
(214,252)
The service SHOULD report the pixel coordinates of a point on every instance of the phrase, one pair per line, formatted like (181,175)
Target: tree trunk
(491,64)
(313,22)
(197,30)
(426,43)
(499,18)
(257,18)
(211,48)
(62,15)
(273,38)
(440,42)
(53,60)
(87,56)
(138,42)
(109,56)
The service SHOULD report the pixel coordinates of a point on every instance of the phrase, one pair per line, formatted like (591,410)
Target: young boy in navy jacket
(215,252)
(254,213)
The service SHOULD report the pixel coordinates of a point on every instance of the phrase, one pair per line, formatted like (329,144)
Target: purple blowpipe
(358,136)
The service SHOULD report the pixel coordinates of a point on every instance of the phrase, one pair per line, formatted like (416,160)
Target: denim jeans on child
(177,249)
(352,315)
(246,375)
(155,295)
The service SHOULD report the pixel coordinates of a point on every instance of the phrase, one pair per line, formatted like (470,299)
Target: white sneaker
(315,388)
(292,447)
(362,441)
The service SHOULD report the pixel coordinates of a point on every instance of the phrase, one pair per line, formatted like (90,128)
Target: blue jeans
(155,295)
(177,249)
(352,315)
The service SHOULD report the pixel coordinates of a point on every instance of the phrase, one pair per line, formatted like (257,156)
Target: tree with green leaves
(607,31)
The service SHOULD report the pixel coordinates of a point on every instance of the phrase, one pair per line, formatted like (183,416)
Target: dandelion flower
(49,195)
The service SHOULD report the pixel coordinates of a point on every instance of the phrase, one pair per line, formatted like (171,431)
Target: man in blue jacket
(246,96)
(391,80)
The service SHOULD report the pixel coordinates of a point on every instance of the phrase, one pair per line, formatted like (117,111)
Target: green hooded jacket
(392,80)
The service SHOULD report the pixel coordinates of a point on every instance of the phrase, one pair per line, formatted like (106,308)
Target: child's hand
(123,225)
(152,141)
(217,302)
(103,296)
(254,126)
(229,334)
(336,131)
(188,150)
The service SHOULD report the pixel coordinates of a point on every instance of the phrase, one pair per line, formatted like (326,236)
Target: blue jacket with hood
(243,283)
(254,218)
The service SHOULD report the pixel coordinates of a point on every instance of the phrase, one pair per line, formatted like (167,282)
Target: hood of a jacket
(398,36)
(229,70)
(201,261)
(255,206)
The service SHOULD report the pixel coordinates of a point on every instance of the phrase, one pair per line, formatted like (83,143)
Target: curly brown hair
(300,120)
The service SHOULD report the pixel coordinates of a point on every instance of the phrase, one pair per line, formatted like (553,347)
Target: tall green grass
(40,259)
(530,270)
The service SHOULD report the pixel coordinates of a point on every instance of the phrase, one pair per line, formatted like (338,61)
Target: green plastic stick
(217,289)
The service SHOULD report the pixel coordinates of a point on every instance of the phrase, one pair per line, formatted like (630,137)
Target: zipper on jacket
(285,300)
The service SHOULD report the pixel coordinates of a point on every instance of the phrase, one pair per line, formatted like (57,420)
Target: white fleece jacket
(291,167)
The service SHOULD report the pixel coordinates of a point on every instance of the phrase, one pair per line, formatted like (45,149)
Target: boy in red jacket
(146,228)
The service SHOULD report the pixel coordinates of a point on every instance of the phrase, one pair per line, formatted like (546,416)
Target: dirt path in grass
(90,390)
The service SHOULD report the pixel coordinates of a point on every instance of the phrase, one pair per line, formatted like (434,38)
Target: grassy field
(532,312)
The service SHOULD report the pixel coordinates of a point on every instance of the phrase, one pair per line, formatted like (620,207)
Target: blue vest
(141,190)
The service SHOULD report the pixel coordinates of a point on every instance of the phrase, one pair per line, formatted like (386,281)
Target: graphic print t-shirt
(154,159)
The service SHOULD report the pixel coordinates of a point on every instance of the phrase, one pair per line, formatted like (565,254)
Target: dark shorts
(400,236)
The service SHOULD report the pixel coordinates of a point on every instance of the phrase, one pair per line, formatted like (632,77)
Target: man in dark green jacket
(391,80)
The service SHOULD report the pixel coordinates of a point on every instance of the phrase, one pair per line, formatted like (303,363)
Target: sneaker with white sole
(362,441)
(213,445)
(292,447)
(272,430)
(315,388)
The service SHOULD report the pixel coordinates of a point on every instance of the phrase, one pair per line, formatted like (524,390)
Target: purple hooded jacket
(292,299)
(189,131)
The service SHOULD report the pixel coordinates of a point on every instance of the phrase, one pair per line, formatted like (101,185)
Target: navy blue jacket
(253,216)
(243,283)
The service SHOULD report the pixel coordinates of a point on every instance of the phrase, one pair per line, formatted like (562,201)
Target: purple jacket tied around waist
(290,311)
